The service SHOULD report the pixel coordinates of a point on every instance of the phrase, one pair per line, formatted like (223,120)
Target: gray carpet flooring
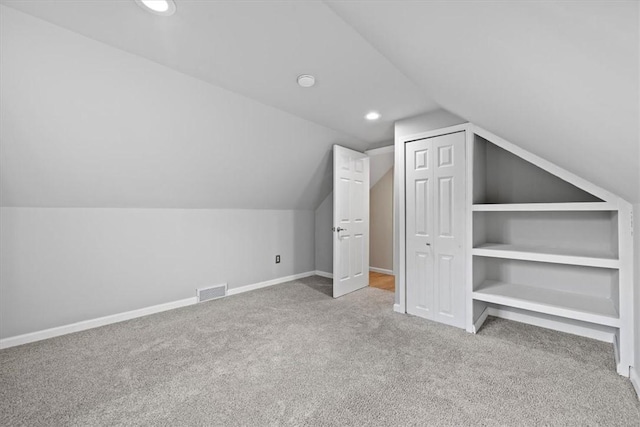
(292,355)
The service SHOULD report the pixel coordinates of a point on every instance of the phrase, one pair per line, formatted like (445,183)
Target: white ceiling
(84,124)
(203,111)
(257,49)
(559,79)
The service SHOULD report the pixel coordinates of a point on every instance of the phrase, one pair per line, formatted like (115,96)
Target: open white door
(350,220)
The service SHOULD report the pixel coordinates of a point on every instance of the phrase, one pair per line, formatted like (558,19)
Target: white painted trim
(478,323)
(398,223)
(93,323)
(128,315)
(635,380)
(616,357)
(267,283)
(324,274)
(600,333)
(470,326)
(436,132)
(398,308)
(626,286)
(381,270)
(378,151)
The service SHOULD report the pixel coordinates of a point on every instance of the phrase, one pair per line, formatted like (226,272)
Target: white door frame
(399,211)
(387,149)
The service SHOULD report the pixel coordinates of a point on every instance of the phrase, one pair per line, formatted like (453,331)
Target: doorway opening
(381,219)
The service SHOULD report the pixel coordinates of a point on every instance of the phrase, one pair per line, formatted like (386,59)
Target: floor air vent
(212,292)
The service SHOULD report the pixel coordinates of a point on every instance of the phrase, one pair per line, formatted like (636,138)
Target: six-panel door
(435,227)
(351,221)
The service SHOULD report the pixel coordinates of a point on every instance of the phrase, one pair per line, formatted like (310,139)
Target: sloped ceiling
(257,49)
(559,79)
(87,125)
(202,110)
(198,110)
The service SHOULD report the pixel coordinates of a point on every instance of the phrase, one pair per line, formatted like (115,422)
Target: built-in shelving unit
(547,243)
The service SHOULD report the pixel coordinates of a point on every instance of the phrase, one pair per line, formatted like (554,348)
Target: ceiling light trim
(306,80)
(171,7)
(372,116)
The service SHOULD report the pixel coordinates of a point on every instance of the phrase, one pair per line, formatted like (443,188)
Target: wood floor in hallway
(382,281)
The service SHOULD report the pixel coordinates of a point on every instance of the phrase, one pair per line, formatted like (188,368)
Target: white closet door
(419,200)
(449,228)
(435,196)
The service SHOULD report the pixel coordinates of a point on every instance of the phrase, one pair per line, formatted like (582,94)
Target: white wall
(324,235)
(64,265)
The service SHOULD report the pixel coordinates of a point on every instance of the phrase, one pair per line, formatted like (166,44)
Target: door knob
(338,229)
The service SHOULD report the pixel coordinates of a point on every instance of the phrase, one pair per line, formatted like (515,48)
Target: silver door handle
(428,244)
(338,229)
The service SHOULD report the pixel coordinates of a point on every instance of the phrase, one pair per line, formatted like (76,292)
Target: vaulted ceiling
(257,49)
(123,108)
(558,78)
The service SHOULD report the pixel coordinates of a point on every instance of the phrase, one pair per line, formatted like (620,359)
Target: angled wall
(100,146)
(88,125)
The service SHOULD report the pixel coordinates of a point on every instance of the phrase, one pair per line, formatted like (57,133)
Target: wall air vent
(212,292)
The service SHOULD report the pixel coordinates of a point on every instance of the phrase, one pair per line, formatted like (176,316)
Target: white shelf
(577,206)
(546,254)
(557,303)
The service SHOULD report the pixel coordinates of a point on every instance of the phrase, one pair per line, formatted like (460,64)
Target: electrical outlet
(277,259)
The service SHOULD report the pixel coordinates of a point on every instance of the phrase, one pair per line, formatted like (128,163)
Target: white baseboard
(597,332)
(128,315)
(635,380)
(381,270)
(93,323)
(398,309)
(324,274)
(247,288)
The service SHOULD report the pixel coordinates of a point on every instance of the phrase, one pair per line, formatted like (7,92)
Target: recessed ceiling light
(306,80)
(158,7)
(372,115)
